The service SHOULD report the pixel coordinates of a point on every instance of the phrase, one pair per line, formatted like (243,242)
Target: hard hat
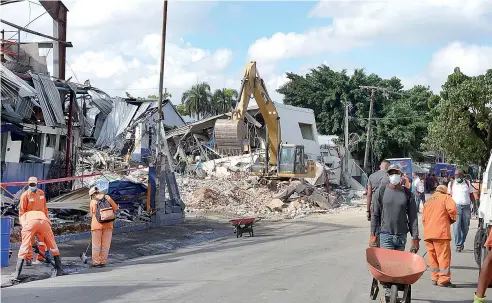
(442,189)
(92,190)
(32,180)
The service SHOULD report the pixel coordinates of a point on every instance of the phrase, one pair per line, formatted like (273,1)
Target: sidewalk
(124,246)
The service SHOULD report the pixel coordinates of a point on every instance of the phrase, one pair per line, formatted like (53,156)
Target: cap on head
(32,180)
(92,190)
(442,189)
(394,168)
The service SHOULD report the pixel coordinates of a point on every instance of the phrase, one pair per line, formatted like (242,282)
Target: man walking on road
(462,193)
(438,215)
(375,180)
(394,215)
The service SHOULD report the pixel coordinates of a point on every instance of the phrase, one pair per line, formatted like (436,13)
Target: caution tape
(58,180)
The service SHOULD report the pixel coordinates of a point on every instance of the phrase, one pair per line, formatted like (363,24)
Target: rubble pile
(241,196)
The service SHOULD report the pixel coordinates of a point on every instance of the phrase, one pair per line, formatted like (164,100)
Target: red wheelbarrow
(244,225)
(397,270)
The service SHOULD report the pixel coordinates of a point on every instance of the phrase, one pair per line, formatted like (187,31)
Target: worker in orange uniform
(485,277)
(101,231)
(36,222)
(438,215)
(34,199)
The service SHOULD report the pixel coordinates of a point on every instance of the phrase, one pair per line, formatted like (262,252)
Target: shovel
(83,256)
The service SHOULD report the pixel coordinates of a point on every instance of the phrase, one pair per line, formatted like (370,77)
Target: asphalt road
(316,260)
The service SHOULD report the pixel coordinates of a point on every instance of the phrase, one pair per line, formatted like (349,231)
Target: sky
(117,42)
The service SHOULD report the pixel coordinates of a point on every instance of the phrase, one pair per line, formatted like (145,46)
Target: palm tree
(224,100)
(197,100)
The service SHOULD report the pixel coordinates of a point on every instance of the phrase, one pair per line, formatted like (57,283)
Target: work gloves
(478,300)
(368,216)
(373,241)
(415,245)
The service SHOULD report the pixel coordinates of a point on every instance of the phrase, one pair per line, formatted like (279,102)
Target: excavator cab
(294,163)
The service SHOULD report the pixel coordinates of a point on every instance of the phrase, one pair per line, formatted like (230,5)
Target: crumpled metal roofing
(101,100)
(12,85)
(116,122)
(49,99)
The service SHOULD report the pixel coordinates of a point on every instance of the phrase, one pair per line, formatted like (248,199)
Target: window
(306,131)
(31,144)
(50,140)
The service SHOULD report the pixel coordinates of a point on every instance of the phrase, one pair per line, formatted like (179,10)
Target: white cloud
(357,24)
(102,64)
(472,60)
(117,43)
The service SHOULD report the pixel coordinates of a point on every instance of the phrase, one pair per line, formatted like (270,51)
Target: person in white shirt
(418,190)
(462,193)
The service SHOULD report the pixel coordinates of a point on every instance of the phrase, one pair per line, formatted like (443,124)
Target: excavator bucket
(229,134)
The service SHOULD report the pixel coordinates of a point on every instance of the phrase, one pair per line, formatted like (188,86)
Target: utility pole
(165,206)
(346,126)
(368,137)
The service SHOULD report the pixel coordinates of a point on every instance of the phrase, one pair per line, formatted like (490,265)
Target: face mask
(459,180)
(395,179)
(33,188)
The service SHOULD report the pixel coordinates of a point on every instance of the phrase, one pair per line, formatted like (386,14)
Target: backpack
(104,211)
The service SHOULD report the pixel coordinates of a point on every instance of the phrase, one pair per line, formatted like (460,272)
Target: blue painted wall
(18,172)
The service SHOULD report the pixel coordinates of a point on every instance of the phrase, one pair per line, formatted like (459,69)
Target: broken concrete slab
(321,200)
(275,205)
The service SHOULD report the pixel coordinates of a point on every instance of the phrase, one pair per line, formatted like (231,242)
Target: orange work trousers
(41,247)
(101,241)
(439,255)
(42,229)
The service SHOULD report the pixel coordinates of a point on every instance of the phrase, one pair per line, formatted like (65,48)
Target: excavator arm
(253,85)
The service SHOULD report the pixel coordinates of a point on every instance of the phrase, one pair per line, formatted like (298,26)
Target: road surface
(319,259)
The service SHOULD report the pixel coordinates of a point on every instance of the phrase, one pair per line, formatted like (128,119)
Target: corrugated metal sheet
(49,99)
(12,84)
(102,101)
(116,122)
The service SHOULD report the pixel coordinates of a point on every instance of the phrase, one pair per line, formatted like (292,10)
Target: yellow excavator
(279,160)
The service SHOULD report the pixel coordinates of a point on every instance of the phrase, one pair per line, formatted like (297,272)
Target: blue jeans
(462,224)
(394,242)
(418,199)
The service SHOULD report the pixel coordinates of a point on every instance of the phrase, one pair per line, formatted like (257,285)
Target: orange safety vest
(30,201)
(438,215)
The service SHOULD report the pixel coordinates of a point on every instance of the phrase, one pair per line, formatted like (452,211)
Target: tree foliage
(462,124)
(457,122)
(199,101)
(399,125)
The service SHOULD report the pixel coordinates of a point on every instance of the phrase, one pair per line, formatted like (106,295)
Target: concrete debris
(275,205)
(238,194)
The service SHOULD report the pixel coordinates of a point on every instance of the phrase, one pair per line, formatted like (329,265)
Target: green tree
(224,100)
(462,119)
(197,100)
(182,110)
(165,95)
(325,91)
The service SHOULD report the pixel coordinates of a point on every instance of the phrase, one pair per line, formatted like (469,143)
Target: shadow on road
(79,293)
(262,235)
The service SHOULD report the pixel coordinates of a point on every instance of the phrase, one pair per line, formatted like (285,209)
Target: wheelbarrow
(397,270)
(244,225)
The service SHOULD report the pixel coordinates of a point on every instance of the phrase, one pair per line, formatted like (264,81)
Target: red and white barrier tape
(66,178)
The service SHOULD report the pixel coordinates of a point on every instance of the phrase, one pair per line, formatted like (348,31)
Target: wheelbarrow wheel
(393,293)
(374,289)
